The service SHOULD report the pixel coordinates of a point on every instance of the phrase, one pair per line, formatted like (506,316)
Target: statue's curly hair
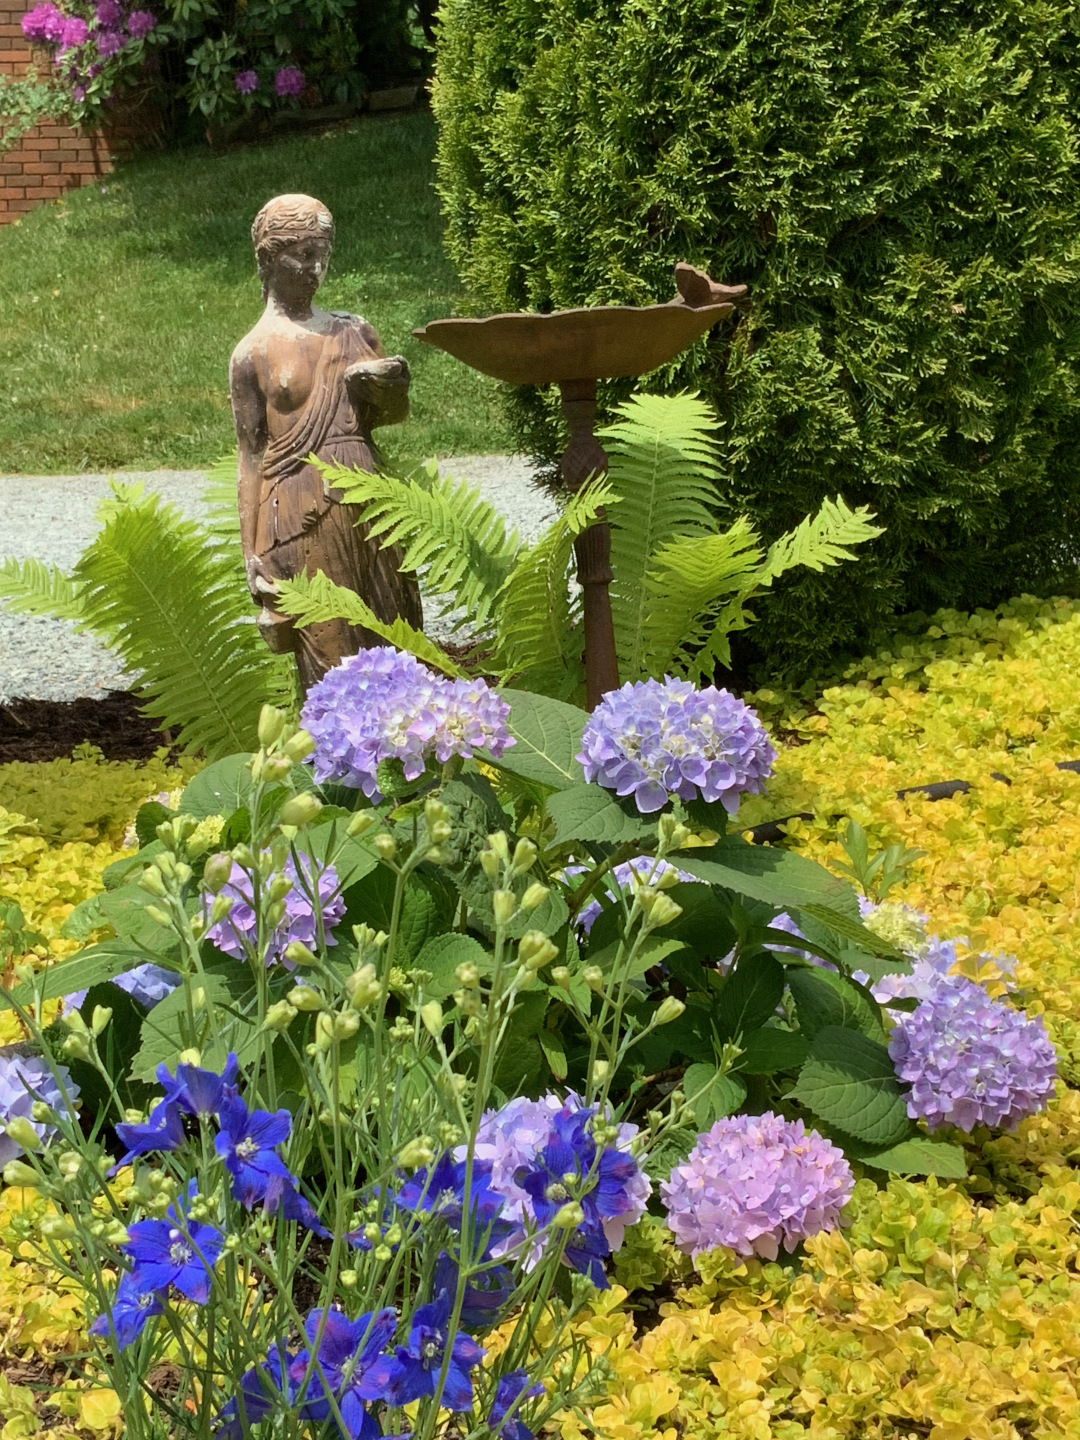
(284,220)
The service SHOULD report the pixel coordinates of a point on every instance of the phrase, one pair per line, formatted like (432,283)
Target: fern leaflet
(31,588)
(820,539)
(316,598)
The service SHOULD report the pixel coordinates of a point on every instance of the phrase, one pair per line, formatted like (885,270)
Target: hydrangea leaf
(441,957)
(90,967)
(587,812)
(855,932)
(769,1050)
(823,998)
(548,735)
(220,789)
(750,995)
(776,877)
(916,1156)
(712,1095)
(161,1036)
(850,1083)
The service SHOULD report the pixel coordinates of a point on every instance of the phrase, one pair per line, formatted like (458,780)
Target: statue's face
(299,269)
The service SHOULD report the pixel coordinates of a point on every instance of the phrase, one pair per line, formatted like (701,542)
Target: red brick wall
(52,158)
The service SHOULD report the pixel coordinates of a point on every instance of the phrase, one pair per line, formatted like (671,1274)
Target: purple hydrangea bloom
(24,1079)
(44,23)
(382,704)
(971,1060)
(140,23)
(642,865)
(109,43)
(238,930)
(754,1182)
(246,82)
(289,82)
(146,984)
(74,32)
(654,739)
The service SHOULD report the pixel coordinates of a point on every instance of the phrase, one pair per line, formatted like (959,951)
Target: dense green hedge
(897,182)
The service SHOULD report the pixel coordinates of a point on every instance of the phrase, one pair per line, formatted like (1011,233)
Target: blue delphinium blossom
(198,1091)
(175,1252)
(654,739)
(972,1060)
(417,1365)
(259,1386)
(134,1305)
(162,1131)
(441,1191)
(486,1292)
(294,1206)
(348,1365)
(246,1143)
(512,1391)
(382,704)
(147,984)
(566,1170)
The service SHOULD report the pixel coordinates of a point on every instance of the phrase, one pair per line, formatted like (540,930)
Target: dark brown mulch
(51,729)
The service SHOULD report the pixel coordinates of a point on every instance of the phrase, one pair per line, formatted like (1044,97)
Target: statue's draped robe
(303,527)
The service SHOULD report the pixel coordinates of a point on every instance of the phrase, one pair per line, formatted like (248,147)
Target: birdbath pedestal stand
(574,349)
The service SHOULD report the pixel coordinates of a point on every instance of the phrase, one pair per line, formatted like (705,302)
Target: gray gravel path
(52,518)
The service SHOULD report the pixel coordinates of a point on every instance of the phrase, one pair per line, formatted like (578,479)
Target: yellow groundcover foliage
(941,1312)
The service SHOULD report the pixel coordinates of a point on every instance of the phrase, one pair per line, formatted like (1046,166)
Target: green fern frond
(446,529)
(220,498)
(663,467)
(685,587)
(30,588)
(170,603)
(539,644)
(821,539)
(313,599)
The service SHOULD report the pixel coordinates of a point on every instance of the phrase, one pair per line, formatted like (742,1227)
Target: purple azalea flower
(134,1305)
(147,985)
(24,1079)
(382,704)
(174,1252)
(289,83)
(163,1131)
(246,82)
(260,1387)
(971,1060)
(78,93)
(654,739)
(245,1143)
(236,935)
(512,1391)
(351,1367)
(108,14)
(109,43)
(74,32)
(753,1182)
(196,1091)
(416,1367)
(43,23)
(140,23)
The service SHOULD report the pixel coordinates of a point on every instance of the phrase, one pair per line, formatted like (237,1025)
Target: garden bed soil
(51,729)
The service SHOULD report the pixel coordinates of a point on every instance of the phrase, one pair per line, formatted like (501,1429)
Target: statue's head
(293,236)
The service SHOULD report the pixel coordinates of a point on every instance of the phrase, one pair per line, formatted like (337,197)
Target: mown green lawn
(119,306)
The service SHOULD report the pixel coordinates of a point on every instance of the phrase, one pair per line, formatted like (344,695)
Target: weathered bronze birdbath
(574,349)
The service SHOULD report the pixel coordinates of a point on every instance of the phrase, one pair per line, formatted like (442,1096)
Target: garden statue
(311,382)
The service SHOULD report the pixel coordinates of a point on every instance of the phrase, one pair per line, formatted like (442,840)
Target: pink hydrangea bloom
(754,1183)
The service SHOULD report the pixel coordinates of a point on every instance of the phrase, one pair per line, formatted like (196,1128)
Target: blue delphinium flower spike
(351,1367)
(512,1390)
(246,1143)
(417,1365)
(486,1292)
(174,1252)
(295,1206)
(197,1091)
(134,1305)
(163,1131)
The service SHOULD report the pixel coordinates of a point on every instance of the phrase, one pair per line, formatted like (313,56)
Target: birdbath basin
(574,349)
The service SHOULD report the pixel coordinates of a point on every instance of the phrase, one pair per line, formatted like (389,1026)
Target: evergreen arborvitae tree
(896,180)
